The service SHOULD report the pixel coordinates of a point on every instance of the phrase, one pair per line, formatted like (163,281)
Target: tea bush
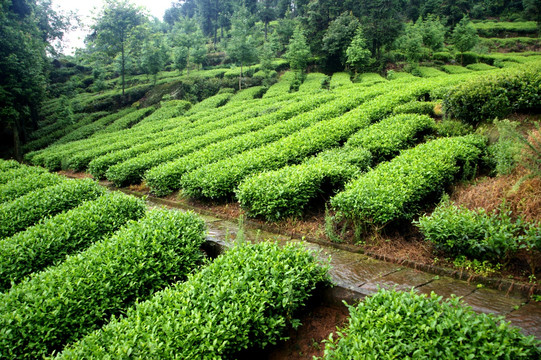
(28,209)
(248,94)
(132,170)
(313,82)
(9,164)
(477,234)
(282,86)
(219,180)
(406,325)
(455,69)
(68,301)
(51,240)
(397,189)
(210,102)
(19,172)
(23,185)
(340,79)
(416,107)
(247,298)
(490,96)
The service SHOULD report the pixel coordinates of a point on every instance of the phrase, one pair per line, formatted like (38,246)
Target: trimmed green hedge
(248,94)
(406,325)
(287,191)
(68,301)
(340,79)
(313,83)
(131,171)
(495,95)
(416,107)
(495,237)
(52,239)
(247,298)
(397,189)
(210,102)
(23,185)
(387,138)
(28,209)
(282,86)
(19,172)
(9,164)
(219,180)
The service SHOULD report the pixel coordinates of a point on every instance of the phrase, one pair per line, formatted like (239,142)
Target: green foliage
(387,138)
(248,94)
(49,242)
(427,72)
(357,53)
(397,189)
(339,36)
(504,154)
(442,56)
(467,58)
(450,128)
(15,173)
(66,302)
(28,209)
(416,107)
(455,69)
(411,43)
(9,164)
(313,82)
(24,184)
(502,28)
(399,325)
(242,46)
(464,35)
(210,102)
(476,234)
(484,98)
(340,79)
(282,86)
(297,51)
(247,298)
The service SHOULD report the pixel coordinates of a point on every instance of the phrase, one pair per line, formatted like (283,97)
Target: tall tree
(298,51)
(187,40)
(153,55)
(532,10)
(338,37)
(112,29)
(267,13)
(242,46)
(357,54)
(464,36)
(27,29)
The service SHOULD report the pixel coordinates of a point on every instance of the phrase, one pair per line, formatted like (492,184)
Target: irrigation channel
(357,275)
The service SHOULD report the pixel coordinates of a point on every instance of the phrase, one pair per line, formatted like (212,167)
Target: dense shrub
(248,94)
(28,209)
(477,234)
(313,82)
(406,325)
(467,58)
(455,69)
(20,172)
(442,56)
(68,301)
(387,138)
(8,164)
(340,79)
(52,239)
(25,184)
(287,191)
(246,298)
(397,189)
(210,102)
(449,128)
(480,67)
(490,96)
(427,72)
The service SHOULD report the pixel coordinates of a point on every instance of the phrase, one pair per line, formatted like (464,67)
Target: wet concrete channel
(356,275)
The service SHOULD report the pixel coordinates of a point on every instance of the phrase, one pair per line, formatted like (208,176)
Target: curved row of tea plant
(95,127)
(406,325)
(479,235)
(51,240)
(24,184)
(129,120)
(205,126)
(132,170)
(287,191)
(66,302)
(215,101)
(166,177)
(15,173)
(247,298)
(495,95)
(417,107)
(396,189)
(219,180)
(391,135)
(340,79)
(282,86)
(8,164)
(248,94)
(168,110)
(28,209)
(313,83)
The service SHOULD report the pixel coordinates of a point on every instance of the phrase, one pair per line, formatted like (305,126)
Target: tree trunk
(240,77)
(266,29)
(17,153)
(123,69)
(188,63)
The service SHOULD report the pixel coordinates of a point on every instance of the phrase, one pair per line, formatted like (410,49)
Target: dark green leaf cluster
(28,209)
(292,117)
(246,298)
(387,138)
(397,189)
(8,164)
(416,107)
(15,173)
(27,183)
(219,180)
(66,302)
(477,234)
(406,325)
(51,240)
(487,97)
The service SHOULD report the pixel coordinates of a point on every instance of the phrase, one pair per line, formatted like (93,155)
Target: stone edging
(508,286)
